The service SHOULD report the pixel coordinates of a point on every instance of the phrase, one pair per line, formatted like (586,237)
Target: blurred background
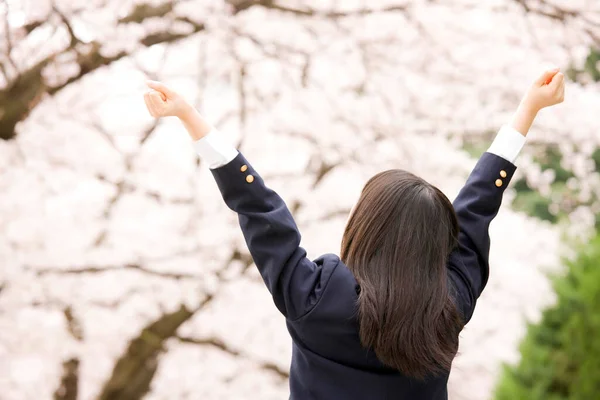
(124,277)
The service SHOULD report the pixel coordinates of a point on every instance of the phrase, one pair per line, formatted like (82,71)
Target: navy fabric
(318,298)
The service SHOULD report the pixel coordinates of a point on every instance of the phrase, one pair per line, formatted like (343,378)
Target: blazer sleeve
(476,206)
(295,282)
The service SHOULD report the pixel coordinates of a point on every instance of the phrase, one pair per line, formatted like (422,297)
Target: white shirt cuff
(507,144)
(215,150)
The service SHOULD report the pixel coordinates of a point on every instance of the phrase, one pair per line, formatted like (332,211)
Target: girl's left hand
(165,102)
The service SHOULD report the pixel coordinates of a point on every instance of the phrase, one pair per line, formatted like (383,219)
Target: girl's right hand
(546,91)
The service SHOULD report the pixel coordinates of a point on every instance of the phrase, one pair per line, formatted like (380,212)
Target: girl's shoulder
(338,293)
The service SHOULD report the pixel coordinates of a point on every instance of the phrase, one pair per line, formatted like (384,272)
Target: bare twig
(73,324)
(109,268)
(221,345)
(9,44)
(308,12)
(67,23)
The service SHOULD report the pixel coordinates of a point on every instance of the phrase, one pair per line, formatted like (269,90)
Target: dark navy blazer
(319,298)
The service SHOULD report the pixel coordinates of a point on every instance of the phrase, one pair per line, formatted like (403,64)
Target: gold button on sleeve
(498,182)
(244,168)
(503,173)
(249,179)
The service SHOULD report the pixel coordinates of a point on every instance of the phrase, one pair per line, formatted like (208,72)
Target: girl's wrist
(193,122)
(528,110)
(529,106)
(187,113)
(524,117)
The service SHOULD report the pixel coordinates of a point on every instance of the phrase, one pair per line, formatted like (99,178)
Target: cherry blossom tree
(123,274)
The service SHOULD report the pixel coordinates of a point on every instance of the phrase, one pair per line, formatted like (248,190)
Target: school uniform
(319,297)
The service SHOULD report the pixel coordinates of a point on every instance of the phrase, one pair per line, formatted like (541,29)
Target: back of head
(396,243)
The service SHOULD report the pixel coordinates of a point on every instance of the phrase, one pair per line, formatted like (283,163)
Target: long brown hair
(396,243)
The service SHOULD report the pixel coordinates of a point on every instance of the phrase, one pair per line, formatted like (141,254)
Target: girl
(382,321)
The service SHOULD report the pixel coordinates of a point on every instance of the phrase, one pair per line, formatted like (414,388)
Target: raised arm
(271,234)
(479,200)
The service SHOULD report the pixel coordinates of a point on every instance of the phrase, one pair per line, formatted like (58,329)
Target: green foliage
(591,64)
(561,355)
(596,159)
(552,159)
(477,144)
(562,200)
(589,70)
(532,202)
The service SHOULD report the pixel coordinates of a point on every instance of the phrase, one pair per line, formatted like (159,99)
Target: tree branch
(9,46)
(142,12)
(24,92)
(553,11)
(73,324)
(135,369)
(65,20)
(221,345)
(308,12)
(69,383)
(109,268)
